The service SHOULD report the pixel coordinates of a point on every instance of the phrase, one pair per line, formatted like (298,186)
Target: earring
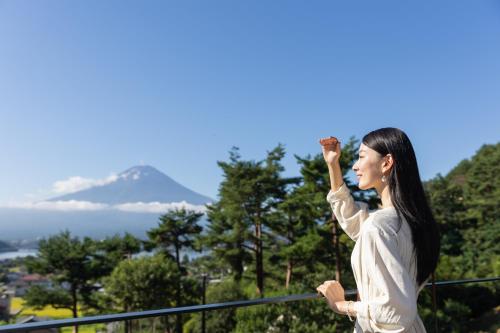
(383,179)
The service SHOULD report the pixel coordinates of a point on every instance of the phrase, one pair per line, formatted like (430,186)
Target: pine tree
(73,272)
(176,231)
(249,192)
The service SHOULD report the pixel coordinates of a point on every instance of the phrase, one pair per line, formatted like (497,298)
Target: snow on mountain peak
(135,173)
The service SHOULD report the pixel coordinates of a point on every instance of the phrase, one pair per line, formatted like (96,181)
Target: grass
(84,328)
(50,312)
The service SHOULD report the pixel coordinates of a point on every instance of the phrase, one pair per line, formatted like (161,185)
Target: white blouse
(383,263)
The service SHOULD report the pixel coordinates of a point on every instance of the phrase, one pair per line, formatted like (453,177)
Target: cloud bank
(158,207)
(133,207)
(64,206)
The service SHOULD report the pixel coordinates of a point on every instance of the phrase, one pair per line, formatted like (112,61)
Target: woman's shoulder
(385,221)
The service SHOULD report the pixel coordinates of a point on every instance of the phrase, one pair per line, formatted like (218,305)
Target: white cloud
(158,207)
(71,205)
(77,183)
(135,207)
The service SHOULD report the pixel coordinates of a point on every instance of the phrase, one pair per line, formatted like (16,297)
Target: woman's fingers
(329,147)
(333,292)
(324,286)
(321,289)
(330,286)
(328,141)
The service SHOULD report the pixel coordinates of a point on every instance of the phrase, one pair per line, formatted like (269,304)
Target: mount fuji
(131,201)
(138,184)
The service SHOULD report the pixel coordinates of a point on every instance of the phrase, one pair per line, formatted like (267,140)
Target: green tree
(143,284)
(248,194)
(118,248)
(69,262)
(293,224)
(220,321)
(110,251)
(227,235)
(176,231)
(465,204)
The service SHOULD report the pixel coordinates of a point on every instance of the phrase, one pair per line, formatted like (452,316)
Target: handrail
(190,309)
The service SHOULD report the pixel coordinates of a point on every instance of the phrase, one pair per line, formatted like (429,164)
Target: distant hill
(6,247)
(28,225)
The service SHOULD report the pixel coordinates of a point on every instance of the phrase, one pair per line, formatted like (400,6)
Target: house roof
(33,278)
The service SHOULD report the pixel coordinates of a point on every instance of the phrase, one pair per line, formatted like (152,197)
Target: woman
(397,246)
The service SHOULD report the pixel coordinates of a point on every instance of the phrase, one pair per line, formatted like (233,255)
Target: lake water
(32,252)
(18,254)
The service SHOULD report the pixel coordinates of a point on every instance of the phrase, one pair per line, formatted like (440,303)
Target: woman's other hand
(334,293)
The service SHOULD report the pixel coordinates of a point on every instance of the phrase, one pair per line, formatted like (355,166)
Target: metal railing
(190,309)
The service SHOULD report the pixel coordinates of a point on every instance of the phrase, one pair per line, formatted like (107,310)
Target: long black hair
(408,196)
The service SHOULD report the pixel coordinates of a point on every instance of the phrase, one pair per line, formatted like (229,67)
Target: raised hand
(331,150)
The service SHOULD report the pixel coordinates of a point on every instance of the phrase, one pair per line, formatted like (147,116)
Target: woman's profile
(397,246)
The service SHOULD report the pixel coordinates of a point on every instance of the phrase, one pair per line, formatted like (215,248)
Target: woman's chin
(361,186)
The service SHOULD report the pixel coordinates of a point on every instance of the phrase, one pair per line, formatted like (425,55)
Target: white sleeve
(350,214)
(391,305)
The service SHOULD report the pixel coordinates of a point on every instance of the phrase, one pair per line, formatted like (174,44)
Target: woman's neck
(385,195)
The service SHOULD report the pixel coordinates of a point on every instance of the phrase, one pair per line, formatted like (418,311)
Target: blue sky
(91,88)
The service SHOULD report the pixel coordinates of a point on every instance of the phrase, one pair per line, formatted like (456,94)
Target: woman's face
(369,168)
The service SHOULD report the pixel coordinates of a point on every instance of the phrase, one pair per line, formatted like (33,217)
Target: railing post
(203,301)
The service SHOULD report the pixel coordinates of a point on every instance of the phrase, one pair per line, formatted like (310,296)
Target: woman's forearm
(336,179)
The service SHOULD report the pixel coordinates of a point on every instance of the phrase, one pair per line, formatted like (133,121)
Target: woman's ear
(388,163)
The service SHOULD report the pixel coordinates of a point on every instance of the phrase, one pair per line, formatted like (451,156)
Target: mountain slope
(138,184)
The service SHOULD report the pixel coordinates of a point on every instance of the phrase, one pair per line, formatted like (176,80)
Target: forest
(269,235)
